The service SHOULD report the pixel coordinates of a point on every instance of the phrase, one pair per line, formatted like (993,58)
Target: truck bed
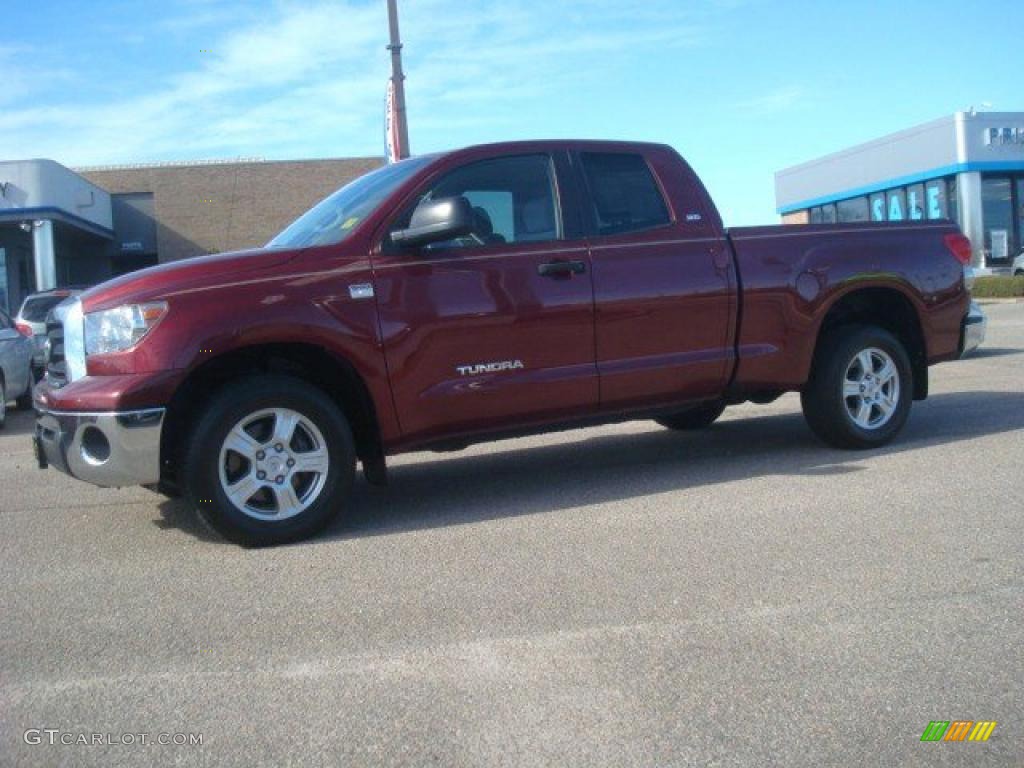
(786,273)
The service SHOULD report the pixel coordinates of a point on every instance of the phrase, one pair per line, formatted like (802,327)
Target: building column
(968,192)
(43,255)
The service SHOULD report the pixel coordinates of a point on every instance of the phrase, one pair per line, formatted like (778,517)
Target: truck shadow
(993,352)
(458,489)
(18,422)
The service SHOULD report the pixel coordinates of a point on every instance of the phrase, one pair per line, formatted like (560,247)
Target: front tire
(860,389)
(271,460)
(3,403)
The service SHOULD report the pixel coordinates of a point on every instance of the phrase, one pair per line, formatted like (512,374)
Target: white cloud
(295,80)
(772,102)
(18,80)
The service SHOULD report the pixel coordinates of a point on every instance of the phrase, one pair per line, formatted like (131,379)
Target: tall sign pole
(400,128)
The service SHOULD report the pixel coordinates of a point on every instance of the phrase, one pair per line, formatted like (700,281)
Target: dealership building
(967,167)
(60,226)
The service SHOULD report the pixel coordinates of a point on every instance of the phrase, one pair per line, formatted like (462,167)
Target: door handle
(561,268)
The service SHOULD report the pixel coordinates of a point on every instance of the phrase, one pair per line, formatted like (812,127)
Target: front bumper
(109,449)
(973,331)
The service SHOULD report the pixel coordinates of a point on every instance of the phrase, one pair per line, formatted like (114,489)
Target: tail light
(24,329)
(960,247)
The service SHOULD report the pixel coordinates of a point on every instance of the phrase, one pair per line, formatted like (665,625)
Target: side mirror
(435,221)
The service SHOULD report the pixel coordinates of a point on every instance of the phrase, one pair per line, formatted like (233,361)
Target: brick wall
(226,206)
(798,217)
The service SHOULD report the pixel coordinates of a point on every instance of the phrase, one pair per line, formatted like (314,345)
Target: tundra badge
(502,365)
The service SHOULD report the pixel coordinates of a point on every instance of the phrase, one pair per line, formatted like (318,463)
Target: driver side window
(513,200)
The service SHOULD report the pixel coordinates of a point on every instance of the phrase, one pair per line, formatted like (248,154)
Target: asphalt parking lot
(614,596)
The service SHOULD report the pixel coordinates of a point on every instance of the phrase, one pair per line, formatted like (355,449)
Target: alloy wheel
(273,464)
(871,388)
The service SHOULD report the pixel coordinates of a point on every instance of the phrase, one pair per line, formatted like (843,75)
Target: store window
(896,204)
(828,213)
(816,215)
(935,199)
(952,200)
(997,213)
(1020,215)
(852,210)
(915,202)
(878,206)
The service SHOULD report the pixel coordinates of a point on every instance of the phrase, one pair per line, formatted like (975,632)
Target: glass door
(1019,203)
(998,218)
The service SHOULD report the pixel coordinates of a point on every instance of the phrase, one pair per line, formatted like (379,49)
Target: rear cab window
(624,195)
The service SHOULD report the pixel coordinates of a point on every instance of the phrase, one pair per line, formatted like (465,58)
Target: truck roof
(547,145)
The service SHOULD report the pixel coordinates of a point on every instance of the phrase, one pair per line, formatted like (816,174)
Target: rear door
(497,328)
(663,284)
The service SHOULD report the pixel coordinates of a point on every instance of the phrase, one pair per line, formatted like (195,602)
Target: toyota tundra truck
(487,292)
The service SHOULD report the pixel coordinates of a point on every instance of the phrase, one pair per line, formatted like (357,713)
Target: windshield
(335,217)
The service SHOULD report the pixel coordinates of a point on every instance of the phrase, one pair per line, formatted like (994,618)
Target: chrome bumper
(107,449)
(973,330)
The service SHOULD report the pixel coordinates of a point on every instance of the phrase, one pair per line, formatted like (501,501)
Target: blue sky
(740,87)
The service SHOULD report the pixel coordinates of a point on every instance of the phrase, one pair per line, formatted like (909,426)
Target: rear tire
(860,390)
(270,460)
(699,417)
(3,404)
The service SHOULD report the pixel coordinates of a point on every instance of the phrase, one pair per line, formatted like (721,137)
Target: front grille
(56,367)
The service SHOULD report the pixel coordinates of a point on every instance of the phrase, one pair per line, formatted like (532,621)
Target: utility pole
(398,80)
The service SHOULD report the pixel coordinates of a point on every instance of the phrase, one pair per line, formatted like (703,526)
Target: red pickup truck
(490,291)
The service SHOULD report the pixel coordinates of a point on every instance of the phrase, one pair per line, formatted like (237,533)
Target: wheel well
(889,309)
(334,375)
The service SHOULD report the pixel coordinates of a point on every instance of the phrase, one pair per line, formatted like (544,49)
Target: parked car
(31,319)
(1018,265)
(15,366)
(486,292)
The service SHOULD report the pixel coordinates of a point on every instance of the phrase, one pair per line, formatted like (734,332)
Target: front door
(495,329)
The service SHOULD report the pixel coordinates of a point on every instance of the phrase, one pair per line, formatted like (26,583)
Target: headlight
(121,328)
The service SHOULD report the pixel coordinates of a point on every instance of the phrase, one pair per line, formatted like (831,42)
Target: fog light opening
(95,446)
